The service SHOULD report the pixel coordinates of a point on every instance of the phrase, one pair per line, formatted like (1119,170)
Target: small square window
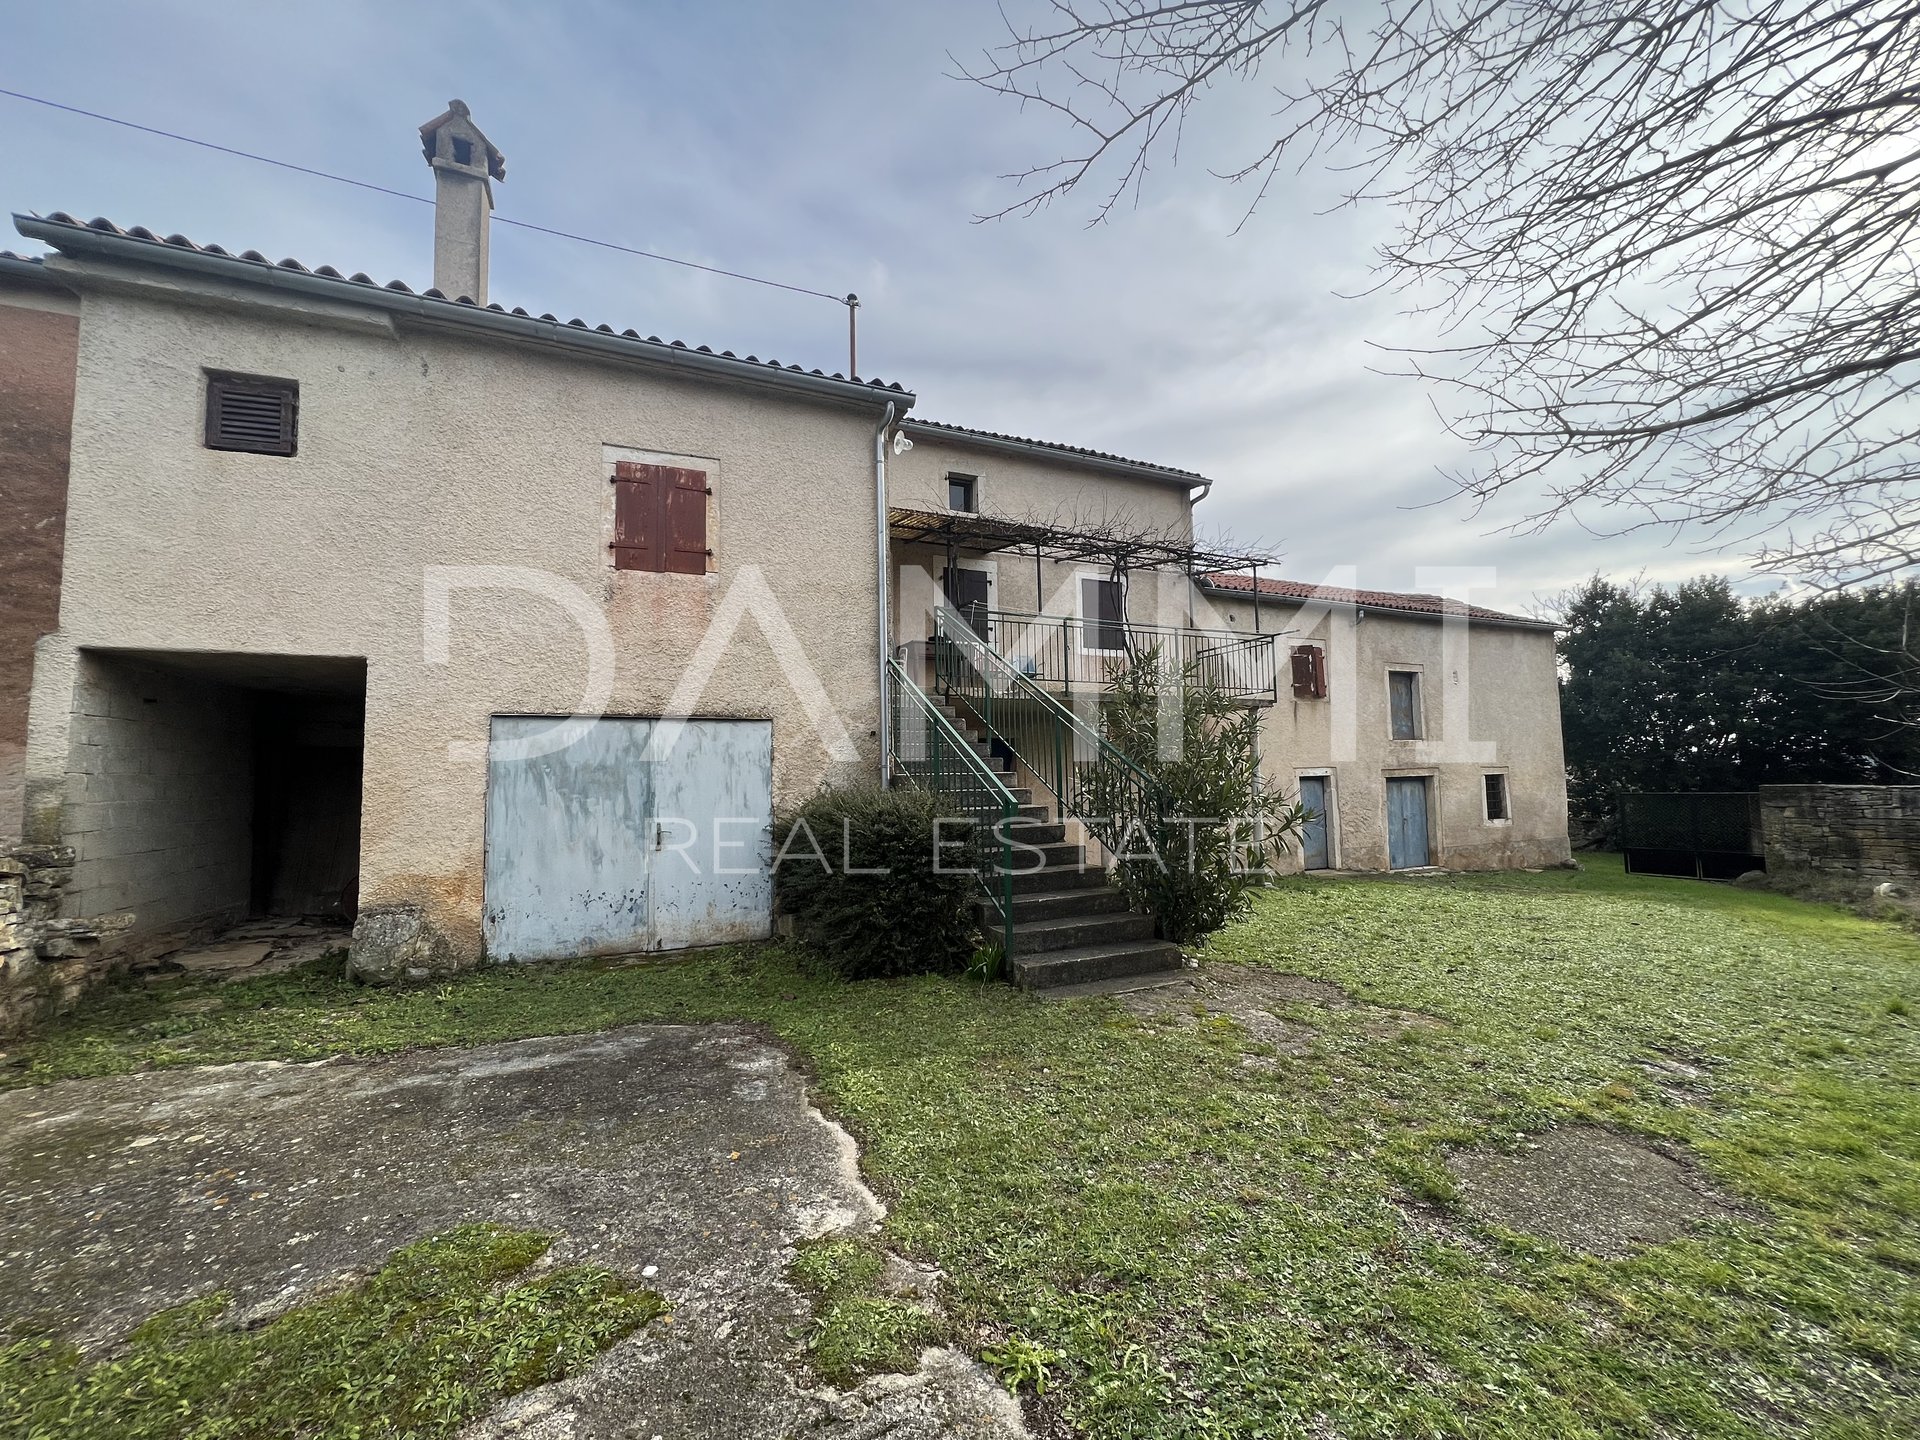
(251,413)
(1497,798)
(963,493)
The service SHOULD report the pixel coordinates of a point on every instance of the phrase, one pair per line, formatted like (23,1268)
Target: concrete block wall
(159,803)
(1869,833)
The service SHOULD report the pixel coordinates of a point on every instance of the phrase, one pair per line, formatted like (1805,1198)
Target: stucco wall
(422,449)
(39,336)
(161,807)
(1490,704)
(1015,487)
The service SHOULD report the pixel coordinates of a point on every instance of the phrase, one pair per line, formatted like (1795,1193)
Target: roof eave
(82,241)
(1512,622)
(1053,455)
(31,272)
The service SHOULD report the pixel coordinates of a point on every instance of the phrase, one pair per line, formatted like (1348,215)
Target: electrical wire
(423,200)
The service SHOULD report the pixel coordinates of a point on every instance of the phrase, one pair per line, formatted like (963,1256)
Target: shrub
(911,919)
(1182,861)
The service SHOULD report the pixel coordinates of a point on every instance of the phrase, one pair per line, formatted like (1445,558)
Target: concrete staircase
(1071,925)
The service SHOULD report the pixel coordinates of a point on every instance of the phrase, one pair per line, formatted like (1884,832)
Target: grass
(446,1328)
(1172,1243)
(858,1331)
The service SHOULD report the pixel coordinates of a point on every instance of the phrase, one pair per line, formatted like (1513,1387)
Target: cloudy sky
(826,146)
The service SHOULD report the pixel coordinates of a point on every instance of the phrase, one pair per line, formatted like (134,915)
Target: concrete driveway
(689,1149)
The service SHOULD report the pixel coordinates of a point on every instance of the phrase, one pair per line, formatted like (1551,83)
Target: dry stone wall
(46,962)
(1868,833)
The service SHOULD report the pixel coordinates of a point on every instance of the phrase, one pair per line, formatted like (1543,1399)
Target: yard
(1170,1221)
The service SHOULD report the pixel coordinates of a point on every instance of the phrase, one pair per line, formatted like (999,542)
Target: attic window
(251,413)
(963,493)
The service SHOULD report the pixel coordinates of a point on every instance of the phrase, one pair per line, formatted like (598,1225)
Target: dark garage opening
(209,788)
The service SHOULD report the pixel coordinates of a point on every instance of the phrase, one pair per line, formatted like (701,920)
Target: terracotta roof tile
(1414,604)
(963,432)
(361,279)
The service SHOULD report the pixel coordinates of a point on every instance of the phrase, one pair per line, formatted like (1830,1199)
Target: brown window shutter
(1302,673)
(639,536)
(1309,672)
(685,495)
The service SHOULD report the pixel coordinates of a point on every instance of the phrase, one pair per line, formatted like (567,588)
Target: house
(490,633)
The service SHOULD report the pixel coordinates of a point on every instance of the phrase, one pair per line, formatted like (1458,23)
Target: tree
(1691,688)
(1213,823)
(1674,242)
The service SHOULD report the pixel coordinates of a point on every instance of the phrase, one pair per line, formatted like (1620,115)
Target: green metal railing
(1068,653)
(1090,778)
(927,750)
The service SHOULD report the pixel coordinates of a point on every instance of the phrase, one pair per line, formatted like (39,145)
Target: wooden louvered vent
(246,412)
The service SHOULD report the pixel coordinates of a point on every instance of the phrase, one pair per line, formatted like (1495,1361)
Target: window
(1403,704)
(1309,672)
(1497,798)
(963,493)
(659,518)
(248,412)
(1102,615)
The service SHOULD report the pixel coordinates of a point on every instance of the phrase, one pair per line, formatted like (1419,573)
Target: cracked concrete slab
(687,1154)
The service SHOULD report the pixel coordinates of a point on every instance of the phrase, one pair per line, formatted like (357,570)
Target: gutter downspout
(884,647)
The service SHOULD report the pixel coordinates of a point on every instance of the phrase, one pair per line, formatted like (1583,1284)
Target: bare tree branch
(1677,242)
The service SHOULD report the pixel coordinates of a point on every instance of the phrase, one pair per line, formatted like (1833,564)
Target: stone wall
(46,962)
(1869,833)
(159,803)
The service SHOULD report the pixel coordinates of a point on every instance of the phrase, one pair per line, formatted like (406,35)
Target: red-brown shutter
(1309,672)
(639,537)
(684,493)
(1302,673)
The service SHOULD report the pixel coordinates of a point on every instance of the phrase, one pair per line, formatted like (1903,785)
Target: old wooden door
(1407,821)
(604,846)
(1314,847)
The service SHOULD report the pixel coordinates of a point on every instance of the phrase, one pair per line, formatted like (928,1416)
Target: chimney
(465,165)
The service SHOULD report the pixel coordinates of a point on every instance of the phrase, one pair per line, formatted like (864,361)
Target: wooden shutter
(251,414)
(659,518)
(639,536)
(684,497)
(1302,673)
(1309,672)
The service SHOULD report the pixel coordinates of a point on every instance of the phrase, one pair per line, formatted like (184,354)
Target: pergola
(1117,545)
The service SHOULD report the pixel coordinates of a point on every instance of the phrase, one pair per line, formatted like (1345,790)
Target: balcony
(1068,654)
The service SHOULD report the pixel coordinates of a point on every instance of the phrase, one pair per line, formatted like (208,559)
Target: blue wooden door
(1407,822)
(1313,839)
(608,845)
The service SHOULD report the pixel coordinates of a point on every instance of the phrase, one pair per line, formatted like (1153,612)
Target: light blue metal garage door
(601,847)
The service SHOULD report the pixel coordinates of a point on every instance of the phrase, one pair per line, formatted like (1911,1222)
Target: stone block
(390,942)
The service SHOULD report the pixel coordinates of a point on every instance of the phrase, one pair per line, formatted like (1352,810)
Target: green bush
(1183,862)
(912,918)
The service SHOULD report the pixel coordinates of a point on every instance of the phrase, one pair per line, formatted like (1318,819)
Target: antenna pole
(853,337)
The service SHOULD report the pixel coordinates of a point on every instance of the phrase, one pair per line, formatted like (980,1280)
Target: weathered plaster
(425,450)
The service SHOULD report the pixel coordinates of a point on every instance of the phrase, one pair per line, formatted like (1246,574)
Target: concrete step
(1056,904)
(1034,832)
(1053,880)
(1057,856)
(1078,932)
(1088,963)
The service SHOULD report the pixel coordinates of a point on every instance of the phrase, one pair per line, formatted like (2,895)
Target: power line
(847,300)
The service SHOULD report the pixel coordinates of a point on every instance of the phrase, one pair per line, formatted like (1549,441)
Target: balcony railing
(1067,653)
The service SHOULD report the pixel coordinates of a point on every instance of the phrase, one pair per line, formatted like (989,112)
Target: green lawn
(1175,1243)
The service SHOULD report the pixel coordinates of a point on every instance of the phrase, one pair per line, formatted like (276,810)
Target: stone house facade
(449,620)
